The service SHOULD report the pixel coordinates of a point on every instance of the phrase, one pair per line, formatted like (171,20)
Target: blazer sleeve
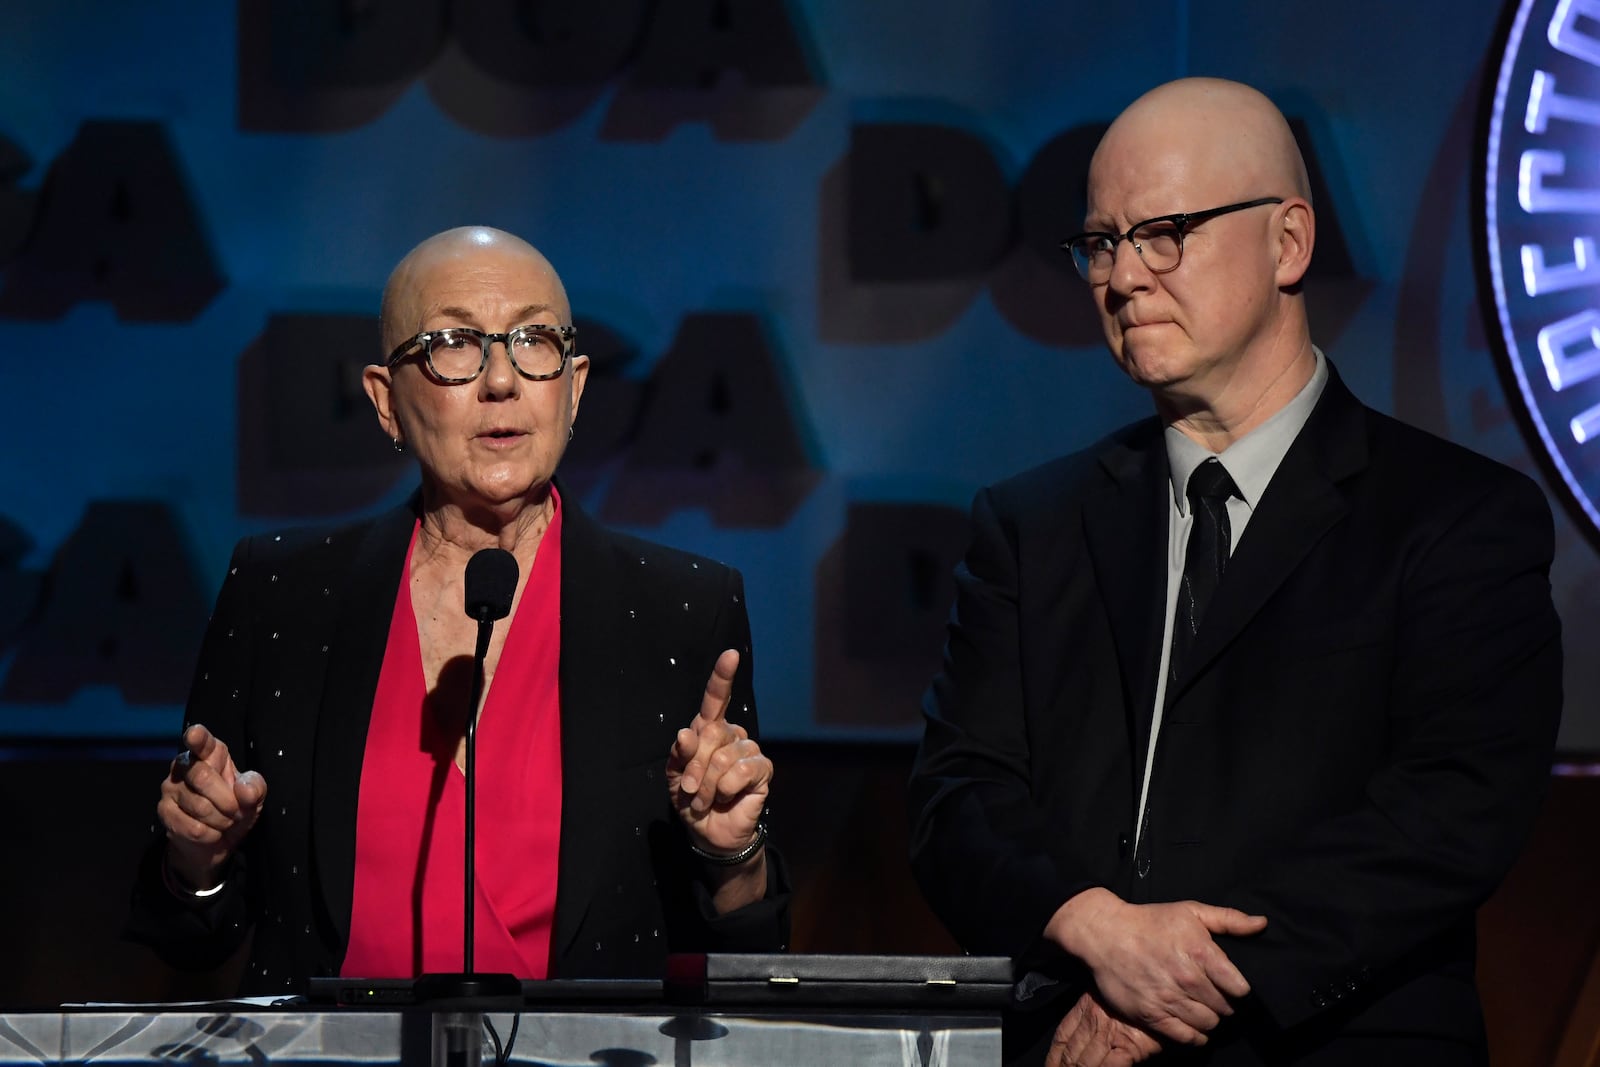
(201,934)
(981,847)
(763,925)
(1475,701)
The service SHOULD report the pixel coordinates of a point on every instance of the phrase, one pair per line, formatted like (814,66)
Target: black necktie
(1209,541)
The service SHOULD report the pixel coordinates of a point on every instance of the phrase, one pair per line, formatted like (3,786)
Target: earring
(399,445)
(569,433)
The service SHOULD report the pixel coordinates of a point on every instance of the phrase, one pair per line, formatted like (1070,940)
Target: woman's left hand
(716,775)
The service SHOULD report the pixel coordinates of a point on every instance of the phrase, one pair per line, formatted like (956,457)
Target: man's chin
(1152,369)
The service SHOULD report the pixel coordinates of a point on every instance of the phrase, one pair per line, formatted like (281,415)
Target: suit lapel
(360,637)
(1125,526)
(591,694)
(1301,503)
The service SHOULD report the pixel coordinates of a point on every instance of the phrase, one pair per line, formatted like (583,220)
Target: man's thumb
(1231,921)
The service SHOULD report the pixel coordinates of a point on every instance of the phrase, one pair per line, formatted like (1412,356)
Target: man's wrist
(1071,921)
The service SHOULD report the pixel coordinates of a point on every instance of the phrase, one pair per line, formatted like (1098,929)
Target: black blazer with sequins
(286,677)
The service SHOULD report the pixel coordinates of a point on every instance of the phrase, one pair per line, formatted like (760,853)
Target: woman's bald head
(440,259)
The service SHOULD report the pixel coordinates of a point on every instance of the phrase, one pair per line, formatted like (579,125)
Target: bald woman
(318,797)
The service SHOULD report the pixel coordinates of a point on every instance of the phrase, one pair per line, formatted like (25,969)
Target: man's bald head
(1215,325)
(408,294)
(1220,139)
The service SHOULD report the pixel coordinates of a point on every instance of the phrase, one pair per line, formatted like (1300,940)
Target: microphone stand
(470,990)
(470,866)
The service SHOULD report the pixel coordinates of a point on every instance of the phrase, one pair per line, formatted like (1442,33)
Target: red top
(406,915)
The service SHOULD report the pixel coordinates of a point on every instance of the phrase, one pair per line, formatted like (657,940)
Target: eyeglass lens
(1159,244)
(459,353)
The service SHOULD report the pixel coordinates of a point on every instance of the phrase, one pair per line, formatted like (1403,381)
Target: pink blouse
(406,915)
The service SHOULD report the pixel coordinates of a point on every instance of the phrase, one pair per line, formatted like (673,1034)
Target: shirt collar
(1252,460)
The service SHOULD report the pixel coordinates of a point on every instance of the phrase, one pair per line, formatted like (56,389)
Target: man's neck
(1217,413)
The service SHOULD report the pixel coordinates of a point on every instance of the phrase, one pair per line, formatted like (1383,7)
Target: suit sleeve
(1475,701)
(761,926)
(200,934)
(981,847)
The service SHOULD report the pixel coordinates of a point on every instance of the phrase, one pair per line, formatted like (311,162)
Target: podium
(252,1034)
(713,1011)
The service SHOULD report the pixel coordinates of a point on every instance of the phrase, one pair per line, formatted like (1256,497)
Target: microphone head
(491,584)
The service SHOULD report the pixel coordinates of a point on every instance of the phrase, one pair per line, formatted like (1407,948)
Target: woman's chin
(497,492)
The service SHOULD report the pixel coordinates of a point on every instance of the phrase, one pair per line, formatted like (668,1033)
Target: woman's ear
(580,378)
(379,387)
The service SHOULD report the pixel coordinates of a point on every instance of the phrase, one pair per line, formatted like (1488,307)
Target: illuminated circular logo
(1541,217)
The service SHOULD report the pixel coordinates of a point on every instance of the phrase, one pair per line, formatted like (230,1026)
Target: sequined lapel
(355,659)
(591,694)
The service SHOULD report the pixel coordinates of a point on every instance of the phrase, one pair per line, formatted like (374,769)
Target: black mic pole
(485,628)
(491,586)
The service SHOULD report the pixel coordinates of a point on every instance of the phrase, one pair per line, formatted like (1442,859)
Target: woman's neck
(450,534)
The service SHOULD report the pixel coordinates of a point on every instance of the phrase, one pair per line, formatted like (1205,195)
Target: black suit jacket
(286,678)
(1356,748)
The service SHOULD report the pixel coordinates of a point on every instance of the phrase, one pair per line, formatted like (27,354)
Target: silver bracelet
(718,859)
(177,888)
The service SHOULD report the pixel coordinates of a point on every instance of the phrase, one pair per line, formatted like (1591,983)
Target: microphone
(491,584)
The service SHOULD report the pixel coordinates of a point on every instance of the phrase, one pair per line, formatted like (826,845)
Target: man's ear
(1297,234)
(379,387)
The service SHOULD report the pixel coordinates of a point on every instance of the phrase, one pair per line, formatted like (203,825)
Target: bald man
(1247,707)
(319,796)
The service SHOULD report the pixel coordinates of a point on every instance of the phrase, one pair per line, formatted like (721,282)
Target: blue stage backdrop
(811,248)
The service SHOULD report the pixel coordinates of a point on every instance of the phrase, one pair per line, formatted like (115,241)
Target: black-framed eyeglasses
(459,354)
(1159,241)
